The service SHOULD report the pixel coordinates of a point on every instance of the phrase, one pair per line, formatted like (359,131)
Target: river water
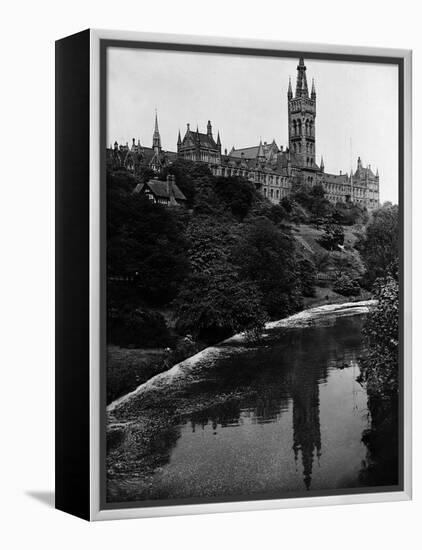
(284,416)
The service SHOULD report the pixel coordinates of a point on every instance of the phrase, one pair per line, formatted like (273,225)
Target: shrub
(139,328)
(332,237)
(346,286)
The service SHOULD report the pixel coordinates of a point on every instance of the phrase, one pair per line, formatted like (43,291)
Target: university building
(273,169)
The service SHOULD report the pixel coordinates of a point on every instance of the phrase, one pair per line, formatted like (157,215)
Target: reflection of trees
(382,442)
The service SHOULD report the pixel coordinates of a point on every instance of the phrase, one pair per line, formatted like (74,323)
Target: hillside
(329,263)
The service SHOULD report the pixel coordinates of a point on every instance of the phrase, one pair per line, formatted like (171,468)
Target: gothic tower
(156,139)
(302,113)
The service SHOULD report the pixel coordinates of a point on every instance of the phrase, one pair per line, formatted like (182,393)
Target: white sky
(246,99)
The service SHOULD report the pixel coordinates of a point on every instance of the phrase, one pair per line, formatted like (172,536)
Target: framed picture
(233,274)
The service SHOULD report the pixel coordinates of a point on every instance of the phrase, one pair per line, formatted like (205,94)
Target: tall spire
(290,91)
(313,92)
(179,139)
(156,139)
(301,83)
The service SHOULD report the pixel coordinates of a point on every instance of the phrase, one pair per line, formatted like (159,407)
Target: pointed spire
(322,164)
(261,154)
(156,139)
(313,92)
(301,83)
(290,91)
(218,140)
(179,139)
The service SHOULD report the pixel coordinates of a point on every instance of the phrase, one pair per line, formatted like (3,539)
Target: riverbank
(181,372)
(128,368)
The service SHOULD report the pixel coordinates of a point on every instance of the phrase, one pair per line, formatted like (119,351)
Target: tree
(314,200)
(350,213)
(217,304)
(237,194)
(187,175)
(332,237)
(379,245)
(146,246)
(266,257)
(346,286)
(307,276)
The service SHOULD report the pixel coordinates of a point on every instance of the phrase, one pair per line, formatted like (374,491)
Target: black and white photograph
(252,277)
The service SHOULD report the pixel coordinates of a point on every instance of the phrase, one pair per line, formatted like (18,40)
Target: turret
(209,129)
(313,92)
(290,91)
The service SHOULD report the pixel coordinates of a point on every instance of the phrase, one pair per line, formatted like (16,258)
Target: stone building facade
(273,169)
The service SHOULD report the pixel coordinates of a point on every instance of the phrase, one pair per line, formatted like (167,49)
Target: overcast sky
(245,99)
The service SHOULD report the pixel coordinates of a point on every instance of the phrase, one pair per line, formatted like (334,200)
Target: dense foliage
(381,333)
(226,264)
(138,327)
(379,245)
(346,286)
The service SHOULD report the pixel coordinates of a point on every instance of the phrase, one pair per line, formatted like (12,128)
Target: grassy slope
(128,368)
(307,237)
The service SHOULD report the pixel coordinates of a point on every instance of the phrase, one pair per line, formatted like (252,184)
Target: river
(282,417)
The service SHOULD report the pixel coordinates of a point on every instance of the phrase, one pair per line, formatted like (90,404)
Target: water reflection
(306,422)
(286,416)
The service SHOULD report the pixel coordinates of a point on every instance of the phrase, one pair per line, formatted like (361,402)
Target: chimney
(171,180)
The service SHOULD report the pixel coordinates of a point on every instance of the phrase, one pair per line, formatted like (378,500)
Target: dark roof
(336,178)
(248,152)
(205,140)
(361,173)
(161,189)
